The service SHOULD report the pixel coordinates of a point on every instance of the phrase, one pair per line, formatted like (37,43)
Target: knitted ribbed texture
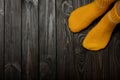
(100,35)
(113,15)
(103,3)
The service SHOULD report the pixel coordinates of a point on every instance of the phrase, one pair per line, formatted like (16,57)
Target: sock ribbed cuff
(113,15)
(103,3)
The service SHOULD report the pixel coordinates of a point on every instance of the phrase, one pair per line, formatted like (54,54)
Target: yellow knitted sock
(83,16)
(100,35)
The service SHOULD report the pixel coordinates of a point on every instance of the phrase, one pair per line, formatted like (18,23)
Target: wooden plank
(12,39)
(47,39)
(65,41)
(1,39)
(114,54)
(30,40)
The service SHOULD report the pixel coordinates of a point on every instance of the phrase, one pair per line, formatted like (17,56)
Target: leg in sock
(100,35)
(83,16)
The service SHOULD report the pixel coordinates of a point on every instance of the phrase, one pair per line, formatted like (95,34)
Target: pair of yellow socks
(99,36)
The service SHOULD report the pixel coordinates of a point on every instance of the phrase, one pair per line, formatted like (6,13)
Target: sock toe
(91,46)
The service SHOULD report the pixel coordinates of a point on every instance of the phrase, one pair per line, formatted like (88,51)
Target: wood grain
(47,39)
(30,40)
(36,43)
(114,61)
(12,39)
(65,48)
(1,39)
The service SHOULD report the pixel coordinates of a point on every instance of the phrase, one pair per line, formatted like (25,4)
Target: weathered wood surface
(1,39)
(65,42)
(36,44)
(30,40)
(12,40)
(47,39)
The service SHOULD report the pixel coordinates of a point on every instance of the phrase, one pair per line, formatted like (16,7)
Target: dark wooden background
(36,44)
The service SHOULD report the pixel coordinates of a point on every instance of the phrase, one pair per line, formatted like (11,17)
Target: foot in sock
(85,15)
(100,35)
